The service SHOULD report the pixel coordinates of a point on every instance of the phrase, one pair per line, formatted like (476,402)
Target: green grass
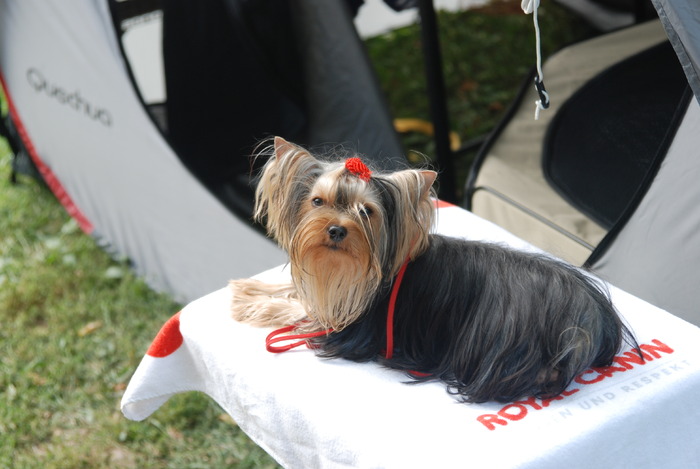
(75,323)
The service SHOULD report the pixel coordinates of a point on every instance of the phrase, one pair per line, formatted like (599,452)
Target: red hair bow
(358,168)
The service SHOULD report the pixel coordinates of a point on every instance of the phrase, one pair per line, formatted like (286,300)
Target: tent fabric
(649,244)
(63,70)
(657,253)
(219,76)
(251,69)
(169,208)
(681,20)
(596,155)
(344,100)
(510,188)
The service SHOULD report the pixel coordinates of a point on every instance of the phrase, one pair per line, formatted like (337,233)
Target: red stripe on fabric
(168,340)
(442,204)
(46,173)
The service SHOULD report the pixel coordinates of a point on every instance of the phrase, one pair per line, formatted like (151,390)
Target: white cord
(530,6)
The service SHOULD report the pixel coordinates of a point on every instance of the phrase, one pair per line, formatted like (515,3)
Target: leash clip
(542,93)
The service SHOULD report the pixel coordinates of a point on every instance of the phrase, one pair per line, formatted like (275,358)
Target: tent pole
(437,98)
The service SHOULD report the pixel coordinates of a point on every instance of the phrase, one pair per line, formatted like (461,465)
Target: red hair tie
(358,168)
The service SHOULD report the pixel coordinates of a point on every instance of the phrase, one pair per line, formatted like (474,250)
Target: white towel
(313,413)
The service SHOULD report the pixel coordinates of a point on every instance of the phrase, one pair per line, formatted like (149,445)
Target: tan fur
(262,304)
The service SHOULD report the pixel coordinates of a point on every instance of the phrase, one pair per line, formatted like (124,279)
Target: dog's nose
(337,233)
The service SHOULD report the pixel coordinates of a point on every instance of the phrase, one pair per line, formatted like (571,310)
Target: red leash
(276,335)
(390,319)
(389,352)
(273,339)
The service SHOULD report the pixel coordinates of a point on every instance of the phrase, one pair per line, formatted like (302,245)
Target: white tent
(84,124)
(607,177)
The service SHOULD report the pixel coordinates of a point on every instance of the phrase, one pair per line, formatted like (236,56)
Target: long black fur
(491,322)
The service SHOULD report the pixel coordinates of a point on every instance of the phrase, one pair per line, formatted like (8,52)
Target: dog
(371,283)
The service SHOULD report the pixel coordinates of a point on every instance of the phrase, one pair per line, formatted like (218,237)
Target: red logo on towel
(168,339)
(621,363)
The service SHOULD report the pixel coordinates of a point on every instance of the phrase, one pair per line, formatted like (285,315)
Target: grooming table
(308,412)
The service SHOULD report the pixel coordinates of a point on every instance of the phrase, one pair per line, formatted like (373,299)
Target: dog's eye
(365,212)
(317,202)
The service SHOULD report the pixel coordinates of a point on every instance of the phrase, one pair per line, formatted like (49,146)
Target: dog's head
(346,228)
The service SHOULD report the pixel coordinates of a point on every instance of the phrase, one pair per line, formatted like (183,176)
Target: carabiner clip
(542,93)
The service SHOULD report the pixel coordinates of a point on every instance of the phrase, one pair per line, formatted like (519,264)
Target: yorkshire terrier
(371,283)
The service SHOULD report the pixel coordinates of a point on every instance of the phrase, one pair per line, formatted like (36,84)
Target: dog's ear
(414,185)
(428,180)
(411,193)
(284,183)
(289,156)
(283,147)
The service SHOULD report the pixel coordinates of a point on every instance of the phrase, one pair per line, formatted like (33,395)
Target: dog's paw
(265,305)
